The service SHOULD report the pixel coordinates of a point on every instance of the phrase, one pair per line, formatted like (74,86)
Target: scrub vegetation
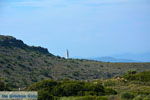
(124,87)
(21,65)
(56,78)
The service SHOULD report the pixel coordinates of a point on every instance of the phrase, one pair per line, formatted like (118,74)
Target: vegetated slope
(21,65)
(130,86)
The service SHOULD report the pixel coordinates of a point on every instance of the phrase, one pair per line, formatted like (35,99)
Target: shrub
(48,89)
(90,93)
(127,96)
(147,97)
(67,89)
(45,95)
(3,86)
(139,97)
(98,88)
(143,76)
(48,84)
(110,91)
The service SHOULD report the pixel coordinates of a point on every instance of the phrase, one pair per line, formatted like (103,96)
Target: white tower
(67,54)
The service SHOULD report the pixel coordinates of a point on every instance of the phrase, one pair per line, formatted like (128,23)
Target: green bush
(48,89)
(74,88)
(142,76)
(139,97)
(89,93)
(67,89)
(48,84)
(142,97)
(45,95)
(97,88)
(110,91)
(3,86)
(127,96)
(147,98)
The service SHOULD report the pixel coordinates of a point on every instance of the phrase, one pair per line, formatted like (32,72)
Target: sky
(87,28)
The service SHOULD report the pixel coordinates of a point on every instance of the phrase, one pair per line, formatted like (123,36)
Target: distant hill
(112,59)
(142,57)
(22,65)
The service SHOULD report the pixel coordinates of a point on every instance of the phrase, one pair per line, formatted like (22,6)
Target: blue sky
(88,28)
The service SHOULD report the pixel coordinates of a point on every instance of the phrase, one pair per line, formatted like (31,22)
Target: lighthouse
(67,54)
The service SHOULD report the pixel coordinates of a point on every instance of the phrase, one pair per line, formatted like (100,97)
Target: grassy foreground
(131,86)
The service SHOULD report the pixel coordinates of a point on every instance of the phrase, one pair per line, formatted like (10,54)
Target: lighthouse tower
(67,54)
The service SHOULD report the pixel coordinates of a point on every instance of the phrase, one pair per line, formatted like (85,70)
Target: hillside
(21,65)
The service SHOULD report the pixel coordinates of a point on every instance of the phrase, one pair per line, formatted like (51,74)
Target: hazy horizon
(90,28)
